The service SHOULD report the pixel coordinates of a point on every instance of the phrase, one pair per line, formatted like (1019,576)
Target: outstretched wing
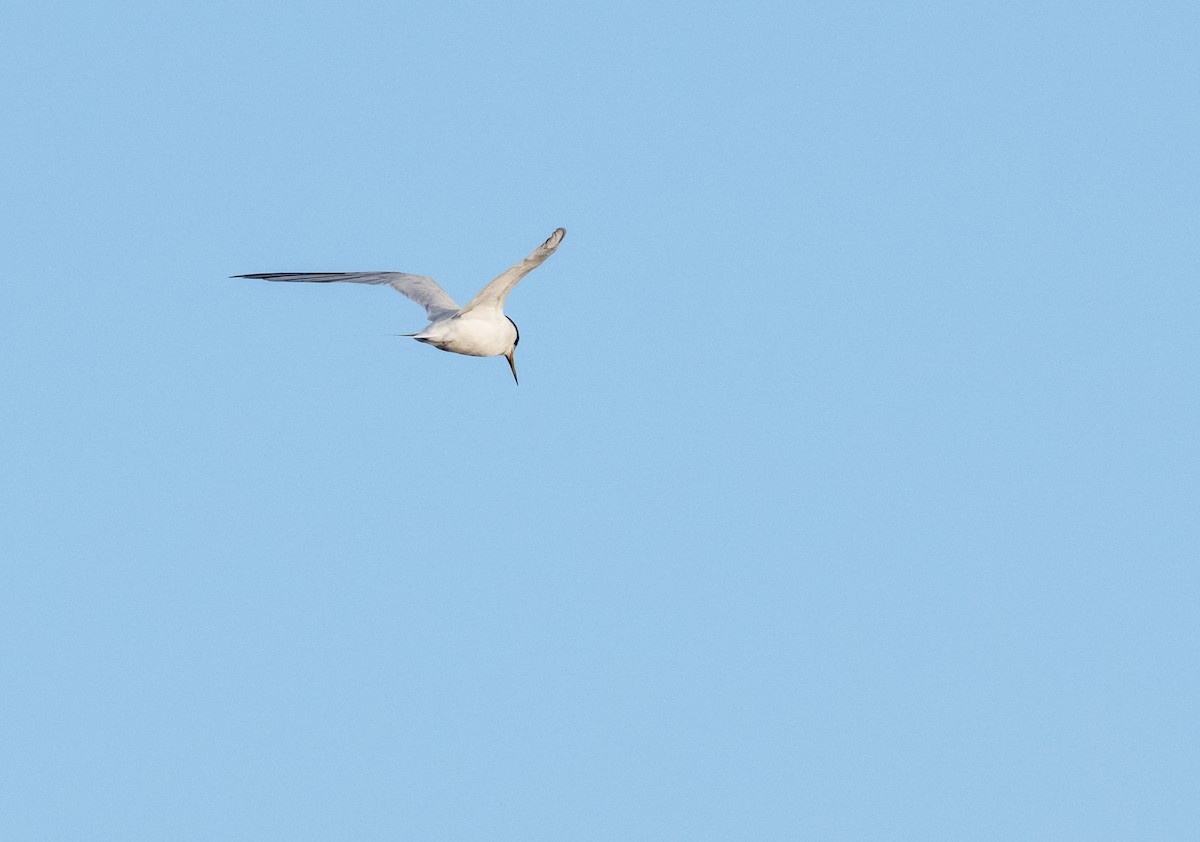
(492,296)
(425,291)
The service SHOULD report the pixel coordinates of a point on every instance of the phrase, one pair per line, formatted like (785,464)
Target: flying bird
(478,330)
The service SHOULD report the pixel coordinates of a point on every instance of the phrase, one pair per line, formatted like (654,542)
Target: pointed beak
(513,366)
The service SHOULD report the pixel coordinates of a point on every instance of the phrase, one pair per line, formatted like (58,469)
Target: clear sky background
(850,490)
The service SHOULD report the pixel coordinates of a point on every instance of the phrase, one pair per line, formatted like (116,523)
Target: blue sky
(849,492)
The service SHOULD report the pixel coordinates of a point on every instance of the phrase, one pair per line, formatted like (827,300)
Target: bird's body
(478,330)
(472,334)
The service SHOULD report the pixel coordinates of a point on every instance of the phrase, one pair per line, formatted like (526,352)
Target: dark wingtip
(553,241)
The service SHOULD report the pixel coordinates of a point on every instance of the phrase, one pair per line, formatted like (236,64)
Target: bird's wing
(492,296)
(425,291)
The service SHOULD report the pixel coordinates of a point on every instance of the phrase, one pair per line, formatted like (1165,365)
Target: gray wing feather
(492,296)
(419,288)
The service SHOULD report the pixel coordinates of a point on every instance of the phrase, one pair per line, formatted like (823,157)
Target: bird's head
(509,355)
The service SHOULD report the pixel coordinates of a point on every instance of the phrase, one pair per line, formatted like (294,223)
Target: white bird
(478,330)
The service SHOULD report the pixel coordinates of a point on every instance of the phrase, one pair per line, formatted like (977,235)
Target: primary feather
(419,288)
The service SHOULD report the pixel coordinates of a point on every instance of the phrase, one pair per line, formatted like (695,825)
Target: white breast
(472,335)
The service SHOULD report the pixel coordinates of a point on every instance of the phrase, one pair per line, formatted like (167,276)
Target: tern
(478,330)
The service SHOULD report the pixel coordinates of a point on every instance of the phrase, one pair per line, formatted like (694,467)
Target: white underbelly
(473,337)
